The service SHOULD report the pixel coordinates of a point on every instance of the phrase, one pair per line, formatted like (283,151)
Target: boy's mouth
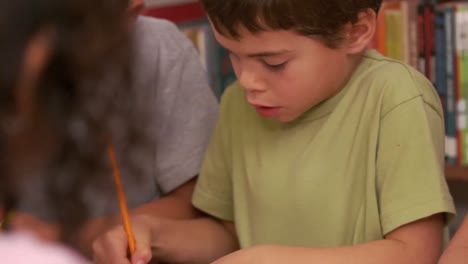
(267,111)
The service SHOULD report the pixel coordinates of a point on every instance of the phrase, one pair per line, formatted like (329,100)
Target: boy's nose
(250,82)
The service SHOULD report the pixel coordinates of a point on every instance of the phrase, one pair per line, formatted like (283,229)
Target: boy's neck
(354,62)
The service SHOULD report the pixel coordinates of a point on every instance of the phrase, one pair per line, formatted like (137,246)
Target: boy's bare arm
(419,242)
(176,205)
(195,241)
(457,251)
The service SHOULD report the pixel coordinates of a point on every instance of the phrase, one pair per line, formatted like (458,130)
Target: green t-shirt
(349,170)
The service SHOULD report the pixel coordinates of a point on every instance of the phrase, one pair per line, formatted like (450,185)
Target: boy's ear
(361,33)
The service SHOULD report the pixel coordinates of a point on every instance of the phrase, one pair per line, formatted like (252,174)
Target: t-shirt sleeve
(187,110)
(213,192)
(410,165)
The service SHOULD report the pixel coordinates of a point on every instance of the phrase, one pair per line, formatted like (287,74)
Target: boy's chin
(286,118)
(292,117)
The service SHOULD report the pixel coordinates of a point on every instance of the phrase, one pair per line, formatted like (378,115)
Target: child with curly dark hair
(170,88)
(56,120)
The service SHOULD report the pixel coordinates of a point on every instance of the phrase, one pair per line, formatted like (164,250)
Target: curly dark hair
(323,19)
(64,142)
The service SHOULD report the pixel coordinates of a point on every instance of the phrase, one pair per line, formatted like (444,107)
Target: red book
(179,13)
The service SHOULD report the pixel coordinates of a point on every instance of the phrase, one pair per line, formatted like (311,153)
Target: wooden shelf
(456,173)
(159,3)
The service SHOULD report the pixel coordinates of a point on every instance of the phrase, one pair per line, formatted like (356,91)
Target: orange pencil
(122,201)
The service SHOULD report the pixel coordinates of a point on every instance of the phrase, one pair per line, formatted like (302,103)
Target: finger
(111,248)
(100,260)
(143,252)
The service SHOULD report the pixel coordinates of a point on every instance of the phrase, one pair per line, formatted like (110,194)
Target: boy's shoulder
(385,70)
(394,80)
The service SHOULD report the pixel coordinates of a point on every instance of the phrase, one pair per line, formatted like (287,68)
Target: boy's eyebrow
(265,53)
(268,53)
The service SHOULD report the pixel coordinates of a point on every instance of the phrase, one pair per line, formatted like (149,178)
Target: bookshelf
(456,173)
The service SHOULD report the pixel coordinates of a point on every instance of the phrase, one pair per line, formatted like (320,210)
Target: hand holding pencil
(122,201)
(112,246)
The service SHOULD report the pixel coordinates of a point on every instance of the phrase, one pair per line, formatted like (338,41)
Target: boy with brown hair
(323,152)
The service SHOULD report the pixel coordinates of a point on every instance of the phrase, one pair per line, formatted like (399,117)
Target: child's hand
(112,247)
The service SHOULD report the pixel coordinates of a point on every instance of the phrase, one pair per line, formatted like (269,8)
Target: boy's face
(285,74)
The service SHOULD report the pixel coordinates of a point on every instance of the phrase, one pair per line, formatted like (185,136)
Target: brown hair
(318,18)
(62,147)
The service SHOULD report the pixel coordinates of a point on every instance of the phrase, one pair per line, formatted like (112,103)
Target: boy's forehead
(261,44)
(244,35)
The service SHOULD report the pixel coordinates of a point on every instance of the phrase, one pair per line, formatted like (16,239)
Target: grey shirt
(170,80)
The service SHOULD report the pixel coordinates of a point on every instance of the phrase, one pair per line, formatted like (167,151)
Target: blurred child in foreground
(170,87)
(55,123)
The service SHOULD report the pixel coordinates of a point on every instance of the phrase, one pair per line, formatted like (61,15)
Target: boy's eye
(275,66)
